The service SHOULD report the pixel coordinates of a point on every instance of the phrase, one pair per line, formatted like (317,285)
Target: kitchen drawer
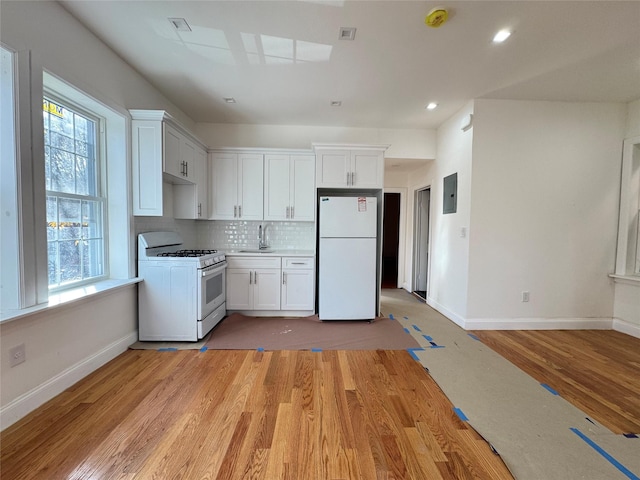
(253,262)
(292,263)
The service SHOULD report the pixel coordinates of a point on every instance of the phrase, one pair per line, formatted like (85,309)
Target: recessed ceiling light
(180,24)
(336,103)
(501,36)
(229,100)
(431,106)
(347,33)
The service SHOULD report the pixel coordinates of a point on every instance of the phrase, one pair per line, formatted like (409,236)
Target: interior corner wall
(545,194)
(449,251)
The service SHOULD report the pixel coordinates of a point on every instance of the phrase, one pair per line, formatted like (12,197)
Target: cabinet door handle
(186,169)
(284,278)
(298,263)
(200,209)
(235,211)
(239,211)
(353,178)
(291,212)
(288,211)
(250,277)
(348,178)
(255,278)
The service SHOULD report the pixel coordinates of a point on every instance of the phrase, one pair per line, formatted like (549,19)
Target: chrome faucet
(262,237)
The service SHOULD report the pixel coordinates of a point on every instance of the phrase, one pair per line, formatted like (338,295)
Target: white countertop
(270,253)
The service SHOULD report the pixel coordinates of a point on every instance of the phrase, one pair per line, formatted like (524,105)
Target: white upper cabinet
(350,166)
(163,151)
(236,186)
(289,191)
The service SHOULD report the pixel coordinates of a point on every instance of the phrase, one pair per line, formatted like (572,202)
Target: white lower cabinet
(285,284)
(253,283)
(298,280)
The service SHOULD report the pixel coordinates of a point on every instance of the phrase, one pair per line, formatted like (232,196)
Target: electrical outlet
(525,296)
(17,355)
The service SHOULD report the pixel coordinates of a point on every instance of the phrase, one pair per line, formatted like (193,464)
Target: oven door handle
(212,271)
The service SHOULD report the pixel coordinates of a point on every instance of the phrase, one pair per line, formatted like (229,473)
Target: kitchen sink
(257,250)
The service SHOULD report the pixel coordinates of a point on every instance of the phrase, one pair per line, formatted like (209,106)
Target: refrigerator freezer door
(347,279)
(348,217)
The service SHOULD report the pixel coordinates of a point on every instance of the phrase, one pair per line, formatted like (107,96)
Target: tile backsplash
(234,235)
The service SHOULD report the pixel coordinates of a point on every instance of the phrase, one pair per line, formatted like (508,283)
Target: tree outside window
(75,207)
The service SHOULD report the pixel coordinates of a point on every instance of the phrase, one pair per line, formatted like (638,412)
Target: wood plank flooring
(250,415)
(598,371)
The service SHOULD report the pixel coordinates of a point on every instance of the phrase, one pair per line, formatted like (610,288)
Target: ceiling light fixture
(229,100)
(501,36)
(431,106)
(336,103)
(347,33)
(180,24)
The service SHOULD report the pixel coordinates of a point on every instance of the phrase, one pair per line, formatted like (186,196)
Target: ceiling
(284,63)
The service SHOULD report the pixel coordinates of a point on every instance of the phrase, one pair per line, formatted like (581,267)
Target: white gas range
(183,293)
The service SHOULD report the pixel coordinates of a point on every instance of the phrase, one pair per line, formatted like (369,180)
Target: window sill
(68,297)
(626,279)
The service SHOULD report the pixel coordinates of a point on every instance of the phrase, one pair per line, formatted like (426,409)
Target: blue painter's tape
(460,414)
(427,338)
(412,352)
(168,349)
(416,328)
(406,330)
(316,349)
(391,316)
(260,349)
(437,346)
(204,349)
(608,457)
(630,435)
(473,336)
(547,387)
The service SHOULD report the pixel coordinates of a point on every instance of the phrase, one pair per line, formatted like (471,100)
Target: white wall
(633,119)
(448,264)
(403,143)
(62,344)
(545,193)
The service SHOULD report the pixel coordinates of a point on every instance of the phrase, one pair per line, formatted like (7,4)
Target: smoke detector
(436,17)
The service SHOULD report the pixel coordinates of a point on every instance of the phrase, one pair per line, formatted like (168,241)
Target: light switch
(463,232)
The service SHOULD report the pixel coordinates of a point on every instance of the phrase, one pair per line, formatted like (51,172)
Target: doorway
(421,243)
(390,240)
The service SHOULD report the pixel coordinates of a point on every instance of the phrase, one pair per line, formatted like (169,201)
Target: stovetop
(188,253)
(167,246)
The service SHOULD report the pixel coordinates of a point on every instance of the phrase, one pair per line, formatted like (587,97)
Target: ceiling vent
(347,33)
(180,24)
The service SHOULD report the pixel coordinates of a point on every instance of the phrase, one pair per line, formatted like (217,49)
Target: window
(75,204)
(628,255)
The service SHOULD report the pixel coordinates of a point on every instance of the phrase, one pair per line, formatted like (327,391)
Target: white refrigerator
(347,254)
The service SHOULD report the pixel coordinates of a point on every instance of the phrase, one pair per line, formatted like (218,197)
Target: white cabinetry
(349,166)
(289,193)
(253,283)
(298,280)
(164,152)
(236,186)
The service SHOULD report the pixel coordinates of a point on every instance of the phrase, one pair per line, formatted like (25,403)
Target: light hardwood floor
(598,371)
(246,414)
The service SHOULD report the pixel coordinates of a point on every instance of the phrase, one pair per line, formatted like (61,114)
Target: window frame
(101,183)
(628,251)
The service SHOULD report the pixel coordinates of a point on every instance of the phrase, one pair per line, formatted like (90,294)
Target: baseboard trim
(458,320)
(538,324)
(29,401)
(626,327)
